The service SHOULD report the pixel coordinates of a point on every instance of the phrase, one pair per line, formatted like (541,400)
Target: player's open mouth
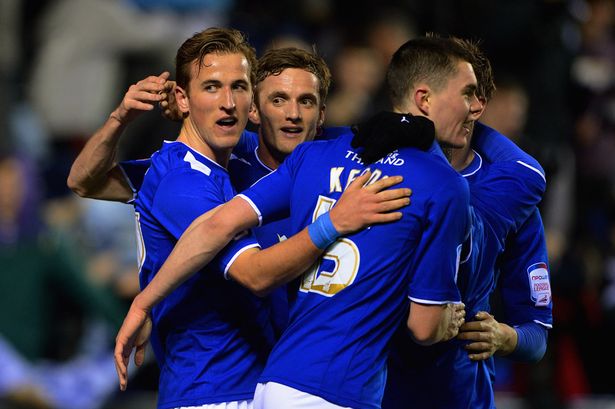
(292,130)
(227,122)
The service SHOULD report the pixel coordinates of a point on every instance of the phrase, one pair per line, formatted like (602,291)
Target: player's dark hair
(212,40)
(481,65)
(430,59)
(276,60)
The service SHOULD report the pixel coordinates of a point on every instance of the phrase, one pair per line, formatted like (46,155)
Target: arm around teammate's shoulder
(358,207)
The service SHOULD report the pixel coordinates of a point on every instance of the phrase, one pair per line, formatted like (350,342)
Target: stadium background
(65,64)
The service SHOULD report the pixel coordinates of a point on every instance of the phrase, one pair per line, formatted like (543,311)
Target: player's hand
(387,131)
(134,334)
(141,97)
(169,107)
(486,335)
(361,206)
(457,315)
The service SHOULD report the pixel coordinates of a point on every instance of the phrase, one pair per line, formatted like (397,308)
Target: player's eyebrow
(208,82)
(241,82)
(276,94)
(308,95)
(470,89)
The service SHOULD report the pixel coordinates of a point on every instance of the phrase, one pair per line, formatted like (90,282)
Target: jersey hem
(333,398)
(207,401)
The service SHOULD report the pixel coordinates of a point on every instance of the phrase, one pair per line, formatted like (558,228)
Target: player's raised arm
(95,173)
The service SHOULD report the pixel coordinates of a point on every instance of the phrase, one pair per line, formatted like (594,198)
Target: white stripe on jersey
(532,168)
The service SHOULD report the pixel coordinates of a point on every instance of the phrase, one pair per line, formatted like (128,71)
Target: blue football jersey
(245,168)
(211,336)
(522,267)
(506,185)
(344,310)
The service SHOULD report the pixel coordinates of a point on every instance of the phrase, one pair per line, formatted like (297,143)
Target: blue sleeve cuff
(531,342)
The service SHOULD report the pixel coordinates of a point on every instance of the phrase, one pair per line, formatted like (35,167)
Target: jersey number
(337,268)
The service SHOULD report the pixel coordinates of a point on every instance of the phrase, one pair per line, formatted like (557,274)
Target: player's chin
(227,141)
(460,141)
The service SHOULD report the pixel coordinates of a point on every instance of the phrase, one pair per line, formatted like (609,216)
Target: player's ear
(183,102)
(321,115)
(421,96)
(478,111)
(254,116)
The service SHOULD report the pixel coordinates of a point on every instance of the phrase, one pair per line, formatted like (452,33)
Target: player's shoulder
(428,170)
(503,155)
(325,146)
(175,158)
(246,145)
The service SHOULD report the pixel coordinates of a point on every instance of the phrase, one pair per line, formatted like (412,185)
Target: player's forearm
(428,323)
(93,174)
(197,247)
(266,270)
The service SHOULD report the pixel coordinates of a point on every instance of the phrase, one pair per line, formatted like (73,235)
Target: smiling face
(218,99)
(455,107)
(289,111)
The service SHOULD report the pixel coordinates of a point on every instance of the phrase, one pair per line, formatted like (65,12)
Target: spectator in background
(358,73)
(43,295)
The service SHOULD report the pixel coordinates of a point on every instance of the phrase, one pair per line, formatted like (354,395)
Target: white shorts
(239,404)
(272,395)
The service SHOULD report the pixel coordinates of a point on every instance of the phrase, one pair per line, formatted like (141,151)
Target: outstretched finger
(385,218)
(392,194)
(169,85)
(121,366)
(392,204)
(359,181)
(144,95)
(384,183)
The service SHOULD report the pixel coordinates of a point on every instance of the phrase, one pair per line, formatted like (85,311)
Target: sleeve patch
(540,287)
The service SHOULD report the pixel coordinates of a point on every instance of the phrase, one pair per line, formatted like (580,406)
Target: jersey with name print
(211,336)
(245,168)
(345,309)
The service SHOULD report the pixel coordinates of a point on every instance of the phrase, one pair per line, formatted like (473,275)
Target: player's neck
(462,157)
(190,137)
(265,155)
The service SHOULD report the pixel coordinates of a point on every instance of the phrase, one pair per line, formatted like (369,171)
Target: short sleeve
(134,171)
(446,226)
(513,192)
(270,196)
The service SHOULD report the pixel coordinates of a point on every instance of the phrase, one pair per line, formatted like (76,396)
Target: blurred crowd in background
(68,265)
